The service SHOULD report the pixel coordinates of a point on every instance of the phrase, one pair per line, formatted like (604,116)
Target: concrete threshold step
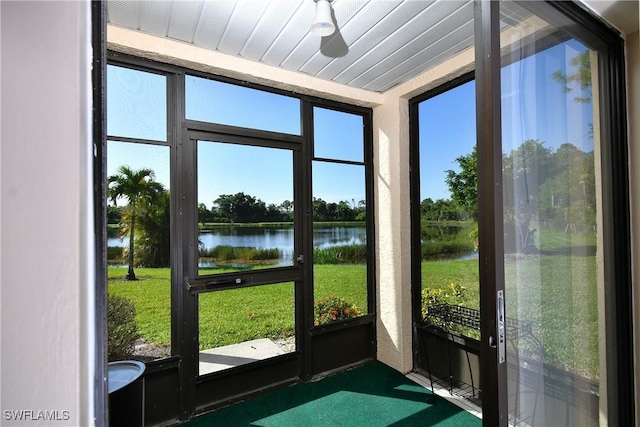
(221,358)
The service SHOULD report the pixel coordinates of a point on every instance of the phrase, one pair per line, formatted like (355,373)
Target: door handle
(492,342)
(501,342)
(501,326)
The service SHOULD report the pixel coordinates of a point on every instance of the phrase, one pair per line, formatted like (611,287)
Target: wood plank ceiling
(378,44)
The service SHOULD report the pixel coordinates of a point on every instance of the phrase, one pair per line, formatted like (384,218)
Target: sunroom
(435,185)
(237,104)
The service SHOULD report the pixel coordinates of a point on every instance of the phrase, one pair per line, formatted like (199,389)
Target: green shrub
(347,254)
(122,327)
(115,253)
(452,294)
(332,308)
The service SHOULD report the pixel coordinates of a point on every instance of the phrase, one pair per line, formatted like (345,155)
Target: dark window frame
(184,306)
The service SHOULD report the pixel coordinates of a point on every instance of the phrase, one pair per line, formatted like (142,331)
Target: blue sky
(137,109)
(242,106)
(447,126)
(271,170)
(534,107)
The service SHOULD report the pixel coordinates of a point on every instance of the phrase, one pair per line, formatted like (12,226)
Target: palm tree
(140,190)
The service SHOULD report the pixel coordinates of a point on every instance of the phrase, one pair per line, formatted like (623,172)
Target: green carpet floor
(372,395)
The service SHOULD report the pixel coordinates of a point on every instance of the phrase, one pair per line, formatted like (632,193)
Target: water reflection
(327,237)
(260,238)
(279,237)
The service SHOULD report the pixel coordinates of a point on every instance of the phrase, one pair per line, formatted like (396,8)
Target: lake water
(282,238)
(271,237)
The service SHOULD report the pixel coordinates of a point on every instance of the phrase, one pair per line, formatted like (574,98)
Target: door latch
(501,326)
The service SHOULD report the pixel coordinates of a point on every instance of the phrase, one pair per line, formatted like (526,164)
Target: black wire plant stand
(460,326)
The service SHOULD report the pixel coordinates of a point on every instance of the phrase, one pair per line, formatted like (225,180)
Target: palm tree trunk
(130,274)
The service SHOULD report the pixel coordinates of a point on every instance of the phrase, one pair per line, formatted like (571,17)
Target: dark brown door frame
(200,394)
(490,228)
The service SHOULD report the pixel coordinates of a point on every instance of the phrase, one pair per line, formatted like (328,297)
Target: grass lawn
(238,315)
(233,316)
(441,274)
(348,281)
(151,295)
(556,293)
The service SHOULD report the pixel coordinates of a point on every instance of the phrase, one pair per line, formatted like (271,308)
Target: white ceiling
(379,44)
(622,14)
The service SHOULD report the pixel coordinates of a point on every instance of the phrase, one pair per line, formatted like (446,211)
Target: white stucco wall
(393,210)
(46,273)
(393,233)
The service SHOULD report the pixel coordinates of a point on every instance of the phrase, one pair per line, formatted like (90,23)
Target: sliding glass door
(545,178)
(555,280)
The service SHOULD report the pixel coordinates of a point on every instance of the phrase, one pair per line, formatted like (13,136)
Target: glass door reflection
(552,226)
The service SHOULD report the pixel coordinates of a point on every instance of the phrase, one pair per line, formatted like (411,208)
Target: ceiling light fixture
(322,24)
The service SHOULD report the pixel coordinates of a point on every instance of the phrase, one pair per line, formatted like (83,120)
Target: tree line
(542,187)
(145,219)
(244,208)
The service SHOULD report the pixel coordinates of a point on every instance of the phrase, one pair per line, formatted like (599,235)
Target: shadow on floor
(372,395)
